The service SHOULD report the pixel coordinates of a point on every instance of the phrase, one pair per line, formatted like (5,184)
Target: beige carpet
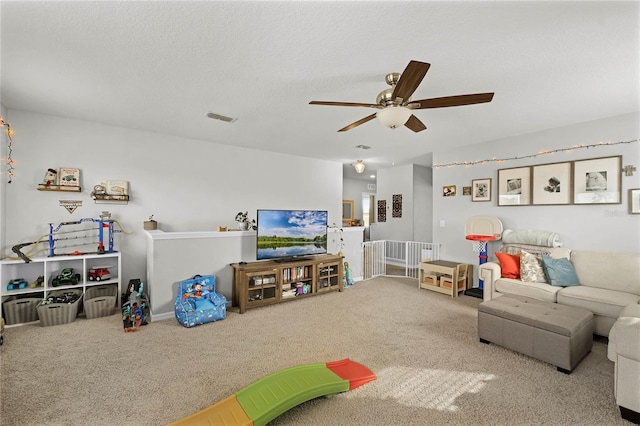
(422,345)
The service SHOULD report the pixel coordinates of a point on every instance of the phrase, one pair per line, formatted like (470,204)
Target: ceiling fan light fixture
(394,116)
(359,166)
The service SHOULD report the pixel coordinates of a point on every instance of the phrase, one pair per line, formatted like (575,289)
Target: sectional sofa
(607,284)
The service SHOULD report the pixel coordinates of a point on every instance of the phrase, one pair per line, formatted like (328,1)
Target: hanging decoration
(538,154)
(70,205)
(397,205)
(9,160)
(382,210)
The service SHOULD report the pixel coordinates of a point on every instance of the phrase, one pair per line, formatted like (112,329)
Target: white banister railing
(387,257)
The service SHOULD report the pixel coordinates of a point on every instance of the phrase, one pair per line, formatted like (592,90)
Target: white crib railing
(387,257)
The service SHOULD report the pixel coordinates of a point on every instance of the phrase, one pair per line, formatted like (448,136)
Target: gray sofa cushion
(613,271)
(539,291)
(600,301)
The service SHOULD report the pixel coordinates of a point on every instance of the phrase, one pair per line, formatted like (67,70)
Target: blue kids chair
(198,303)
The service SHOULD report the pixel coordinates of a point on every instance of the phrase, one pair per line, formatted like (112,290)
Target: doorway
(368,213)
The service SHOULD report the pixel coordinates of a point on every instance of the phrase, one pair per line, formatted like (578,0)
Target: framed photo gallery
(592,181)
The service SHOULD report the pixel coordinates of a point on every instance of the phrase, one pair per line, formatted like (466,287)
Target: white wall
(414,184)
(423,204)
(352,189)
(192,185)
(189,185)
(3,178)
(606,227)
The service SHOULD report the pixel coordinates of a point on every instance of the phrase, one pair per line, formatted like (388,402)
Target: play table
(444,267)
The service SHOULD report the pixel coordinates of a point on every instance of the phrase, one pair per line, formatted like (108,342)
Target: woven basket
(100,291)
(59,313)
(100,301)
(99,306)
(19,311)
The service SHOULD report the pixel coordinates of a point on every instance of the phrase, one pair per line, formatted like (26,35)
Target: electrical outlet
(442,223)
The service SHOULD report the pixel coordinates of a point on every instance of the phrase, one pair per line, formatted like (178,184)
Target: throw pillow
(509,265)
(531,268)
(559,272)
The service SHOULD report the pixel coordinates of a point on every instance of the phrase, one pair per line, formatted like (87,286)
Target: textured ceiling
(162,66)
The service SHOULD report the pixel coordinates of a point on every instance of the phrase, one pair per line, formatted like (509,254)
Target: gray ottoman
(558,334)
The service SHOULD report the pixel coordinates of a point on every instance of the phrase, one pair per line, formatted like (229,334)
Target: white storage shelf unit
(50,267)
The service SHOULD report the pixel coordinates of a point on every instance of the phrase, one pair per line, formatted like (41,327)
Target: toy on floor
(266,399)
(347,274)
(198,303)
(135,306)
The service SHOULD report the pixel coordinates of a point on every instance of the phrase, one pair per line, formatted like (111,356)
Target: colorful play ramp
(266,399)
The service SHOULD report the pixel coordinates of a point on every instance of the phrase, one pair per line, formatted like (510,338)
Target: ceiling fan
(395,105)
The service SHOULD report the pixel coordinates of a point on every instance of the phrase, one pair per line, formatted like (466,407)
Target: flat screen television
(291,234)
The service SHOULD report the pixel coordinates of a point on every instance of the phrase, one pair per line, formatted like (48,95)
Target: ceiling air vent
(224,118)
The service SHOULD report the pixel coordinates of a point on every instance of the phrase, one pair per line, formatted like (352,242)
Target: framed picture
(449,191)
(466,190)
(634,201)
(514,186)
(69,177)
(597,181)
(481,189)
(551,184)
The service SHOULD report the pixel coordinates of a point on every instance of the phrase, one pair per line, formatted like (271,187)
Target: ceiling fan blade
(359,122)
(449,101)
(415,124)
(409,80)
(349,104)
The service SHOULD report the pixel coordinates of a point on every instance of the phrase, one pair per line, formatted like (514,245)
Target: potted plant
(244,223)
(150,224)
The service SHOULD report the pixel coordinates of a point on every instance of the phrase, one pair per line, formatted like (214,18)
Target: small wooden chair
(447,280)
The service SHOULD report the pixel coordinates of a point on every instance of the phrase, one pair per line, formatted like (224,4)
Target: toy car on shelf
(17,283)
(39,282)
(65,277)
(99,273)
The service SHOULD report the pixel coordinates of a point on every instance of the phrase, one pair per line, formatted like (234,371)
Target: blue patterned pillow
(559,272)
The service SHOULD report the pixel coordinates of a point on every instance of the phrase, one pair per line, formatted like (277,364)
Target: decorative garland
(9,160)
(519,157)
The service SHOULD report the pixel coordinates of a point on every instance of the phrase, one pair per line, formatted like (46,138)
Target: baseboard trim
(630,415)
(160,317)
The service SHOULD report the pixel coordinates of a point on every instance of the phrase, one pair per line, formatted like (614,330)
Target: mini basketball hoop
(479,242)
(479,246)
(480,230)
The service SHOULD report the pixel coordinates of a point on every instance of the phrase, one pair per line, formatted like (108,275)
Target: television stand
(264,283)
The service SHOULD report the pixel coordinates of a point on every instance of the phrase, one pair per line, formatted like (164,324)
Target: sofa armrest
(489,272)
(184,305)
(627,333)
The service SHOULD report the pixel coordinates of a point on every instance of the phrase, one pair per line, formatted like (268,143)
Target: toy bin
(101,291)
(100,301)
(59,313)
(20,311)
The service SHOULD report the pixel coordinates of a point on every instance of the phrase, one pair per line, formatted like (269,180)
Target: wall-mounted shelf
(104,198)
(60,188)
